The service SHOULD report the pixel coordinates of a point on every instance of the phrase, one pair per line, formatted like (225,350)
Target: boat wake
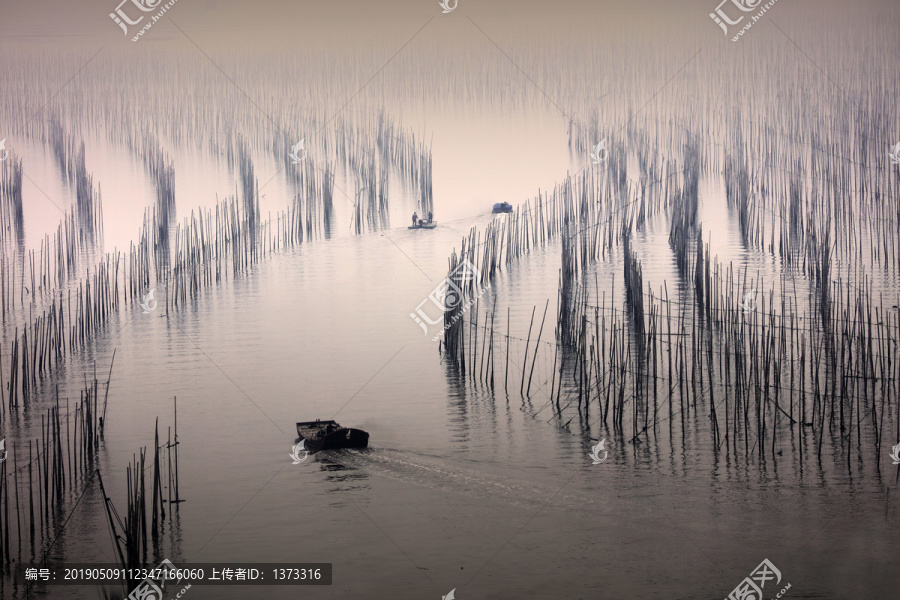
(441,474)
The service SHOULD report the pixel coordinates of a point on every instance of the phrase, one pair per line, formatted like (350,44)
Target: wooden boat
(502,207)
(424,225)
(329,435)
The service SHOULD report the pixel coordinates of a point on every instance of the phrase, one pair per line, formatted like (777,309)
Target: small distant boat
(424,225)
(329,435)
(502,207)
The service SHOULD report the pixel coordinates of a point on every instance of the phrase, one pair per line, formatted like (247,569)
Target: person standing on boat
(415,219)
(429,217)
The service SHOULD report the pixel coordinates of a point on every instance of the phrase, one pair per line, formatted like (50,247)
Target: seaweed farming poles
(249,194)
(684,209)
(65,325)
(481,257)
(12,231)
(372,150)
(207,243)
(42,477)
(11,221)
(162,171)
(311,212)
(88,205)
(585,212)
(44,482)
(426,195)
(70,156)
(206,247)
(35,276)
(370,212)
(130,535)
(359,138)
(762,373)
(756,371)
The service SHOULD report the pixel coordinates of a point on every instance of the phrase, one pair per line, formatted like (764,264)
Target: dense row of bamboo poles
(763,365)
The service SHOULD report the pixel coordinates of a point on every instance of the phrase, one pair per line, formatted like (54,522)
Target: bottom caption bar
(155,579)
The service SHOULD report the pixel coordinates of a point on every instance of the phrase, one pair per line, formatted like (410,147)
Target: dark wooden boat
(329,435)
(424,225)
(502,207)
